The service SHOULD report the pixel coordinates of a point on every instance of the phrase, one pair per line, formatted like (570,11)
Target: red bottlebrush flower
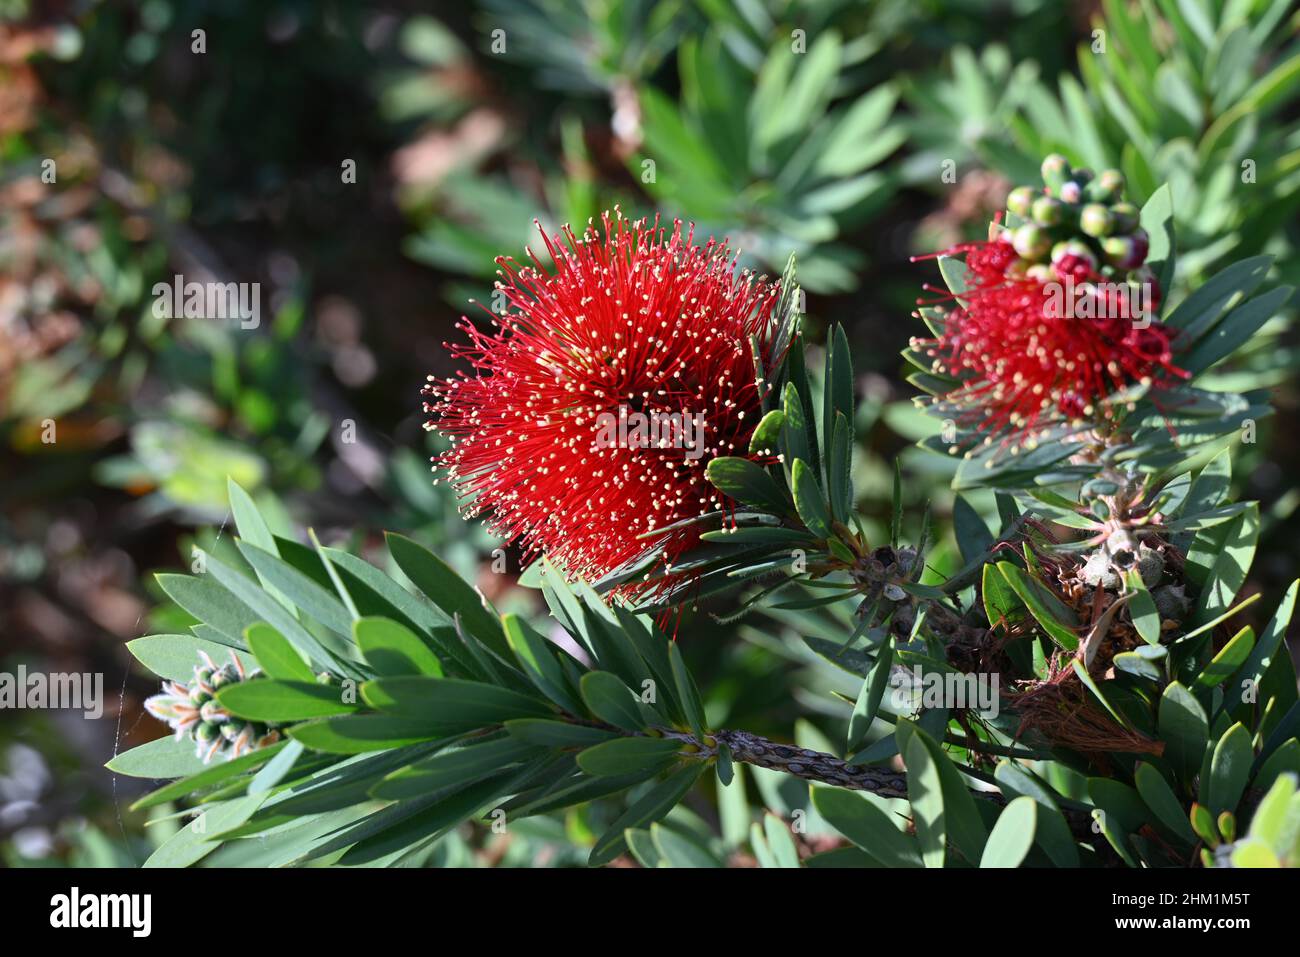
(638,325)
(1025,363)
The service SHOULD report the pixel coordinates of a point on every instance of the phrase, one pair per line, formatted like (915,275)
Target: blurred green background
(364,163)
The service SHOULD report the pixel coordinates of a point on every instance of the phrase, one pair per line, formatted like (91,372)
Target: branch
(822,768)
(812,765)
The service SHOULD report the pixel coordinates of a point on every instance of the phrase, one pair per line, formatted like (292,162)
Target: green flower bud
(1108,187)
(1031,242)
(1071,192)
(232,729)
(1122,251)
(1040,272)
(1047,211)
(198,696)
(206,732)
(1056,170)
(1096,220)
(1019,201)
(1126,217)
(1077,248)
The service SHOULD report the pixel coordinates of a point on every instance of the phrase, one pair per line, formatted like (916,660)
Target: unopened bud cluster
(1078,227)
(193,709)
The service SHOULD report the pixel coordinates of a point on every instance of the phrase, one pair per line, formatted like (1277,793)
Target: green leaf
(209,777)
(447,590)
(1162,801)
(780,842)
(612,701)
(1202,822)
(863,122)
(164,758)
(176,656)
(453,770)
(275,770)
(1002,606)
(687,693)
(546,733)
(209,603)
(1097,693)
(808,499)
(1261,657)
(1210,486)
(680,849)
(275,655)
(869,698)
(629,755)
(268,609)
(282,701)
(973,536)
(1199,312)
(760,535)
(796,432)
(1227,572)
(1284,760)
(298,589)
(652,806)
(377,594)
(360,733)
(1236,329)
(1013,834)
(1139,665)
(766,439)
(1157,218)
(539,662)
(1052,832)
(1225,664)
(1230,769)
(839,468)
(1142,608)
(1058,620)
(944,809)
(746,482)
(253,528)
(451,702)
(393,649)
(194,841)
(867,826)
(1185,730)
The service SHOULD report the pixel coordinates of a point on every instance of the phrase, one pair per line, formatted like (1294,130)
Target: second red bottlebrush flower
(615,374)
(1057,313)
